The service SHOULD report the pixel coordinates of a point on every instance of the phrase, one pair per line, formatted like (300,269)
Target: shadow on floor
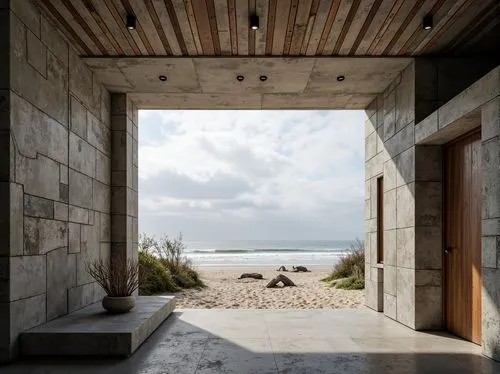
(218,341)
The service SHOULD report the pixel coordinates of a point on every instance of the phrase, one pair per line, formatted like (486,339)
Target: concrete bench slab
(92,331)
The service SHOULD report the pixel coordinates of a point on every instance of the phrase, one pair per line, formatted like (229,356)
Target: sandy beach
(224,290)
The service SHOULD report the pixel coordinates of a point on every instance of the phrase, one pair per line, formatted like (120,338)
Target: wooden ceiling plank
(189,31)
(212,18)
(366,24)
(439,8)
(153,14)
(231,8)
(309,28)
(120,28)
(271,22)
(318,26)
(141,42)
(494,23)
(222,13)
(300,27)
(387,22)
(440,24)
(173,29)
(457,26)
(290,26)
(242,26)
(338,24)
(404,25)
(261,9)
(414,26)
(203,24)
(374,27)
(251,33)
(474,26)
(87,49)
(86,27)
(282,12)
(146,27)
(107,24)
(97,24)
(352,25)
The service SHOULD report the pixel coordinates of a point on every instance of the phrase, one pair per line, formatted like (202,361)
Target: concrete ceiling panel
(196,101)
(218,75)
(362,75)
(307,83)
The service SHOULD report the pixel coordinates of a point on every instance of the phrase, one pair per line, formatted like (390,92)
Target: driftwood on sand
(300,269)
(282,268)
(251,275)
(280,278)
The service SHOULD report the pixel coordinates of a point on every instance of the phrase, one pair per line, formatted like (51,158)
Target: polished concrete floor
(281,341)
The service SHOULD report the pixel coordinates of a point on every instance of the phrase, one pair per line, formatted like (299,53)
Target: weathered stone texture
(82,156)
(43,235)
(80,189)
(38,207)
(28,276)
(61,276)
(55,169)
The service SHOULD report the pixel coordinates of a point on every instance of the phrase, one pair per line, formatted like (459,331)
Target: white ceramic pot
(118,304)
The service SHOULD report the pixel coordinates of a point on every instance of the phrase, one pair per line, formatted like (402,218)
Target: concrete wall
(408,287)
(55,174)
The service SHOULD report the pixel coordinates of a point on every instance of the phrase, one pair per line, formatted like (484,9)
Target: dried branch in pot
(119,279)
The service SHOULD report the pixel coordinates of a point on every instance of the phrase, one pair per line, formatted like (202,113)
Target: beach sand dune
(225,291)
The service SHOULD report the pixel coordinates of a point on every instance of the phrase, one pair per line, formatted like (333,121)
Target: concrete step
(92,331)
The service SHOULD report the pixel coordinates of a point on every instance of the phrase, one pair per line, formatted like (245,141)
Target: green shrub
(168,255)
(154,278)
(351,283)
(351,267)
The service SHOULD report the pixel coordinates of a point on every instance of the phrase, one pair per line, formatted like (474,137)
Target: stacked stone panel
(55,175)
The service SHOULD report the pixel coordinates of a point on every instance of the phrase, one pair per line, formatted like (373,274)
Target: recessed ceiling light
(131,22)
(263,78)
(240,78)
(163,78)
(340,78)
(254,22)
(427,22)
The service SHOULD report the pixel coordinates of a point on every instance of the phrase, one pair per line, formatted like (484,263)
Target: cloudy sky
(217,175)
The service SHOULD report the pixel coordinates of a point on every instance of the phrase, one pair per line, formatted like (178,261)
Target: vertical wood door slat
(462,264)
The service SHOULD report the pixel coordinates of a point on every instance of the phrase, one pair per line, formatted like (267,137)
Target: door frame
(475,131)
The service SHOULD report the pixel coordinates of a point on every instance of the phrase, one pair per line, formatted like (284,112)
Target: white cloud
(251,174)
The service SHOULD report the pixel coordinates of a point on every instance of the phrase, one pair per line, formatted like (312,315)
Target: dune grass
(349,272)
(163,267)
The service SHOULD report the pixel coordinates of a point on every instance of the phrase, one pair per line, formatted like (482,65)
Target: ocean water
(266,253)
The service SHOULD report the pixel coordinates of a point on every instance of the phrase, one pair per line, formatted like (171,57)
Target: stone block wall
(479,104)
(408,286)
(56,174)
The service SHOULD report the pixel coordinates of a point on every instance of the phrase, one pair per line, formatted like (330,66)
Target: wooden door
(462,259)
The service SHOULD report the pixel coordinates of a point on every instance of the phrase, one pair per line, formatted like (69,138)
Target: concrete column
(124,178)
(490,126)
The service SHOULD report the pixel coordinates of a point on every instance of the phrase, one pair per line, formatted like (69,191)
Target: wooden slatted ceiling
(287,27)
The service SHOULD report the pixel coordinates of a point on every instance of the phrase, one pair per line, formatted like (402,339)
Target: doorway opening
(251,192)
